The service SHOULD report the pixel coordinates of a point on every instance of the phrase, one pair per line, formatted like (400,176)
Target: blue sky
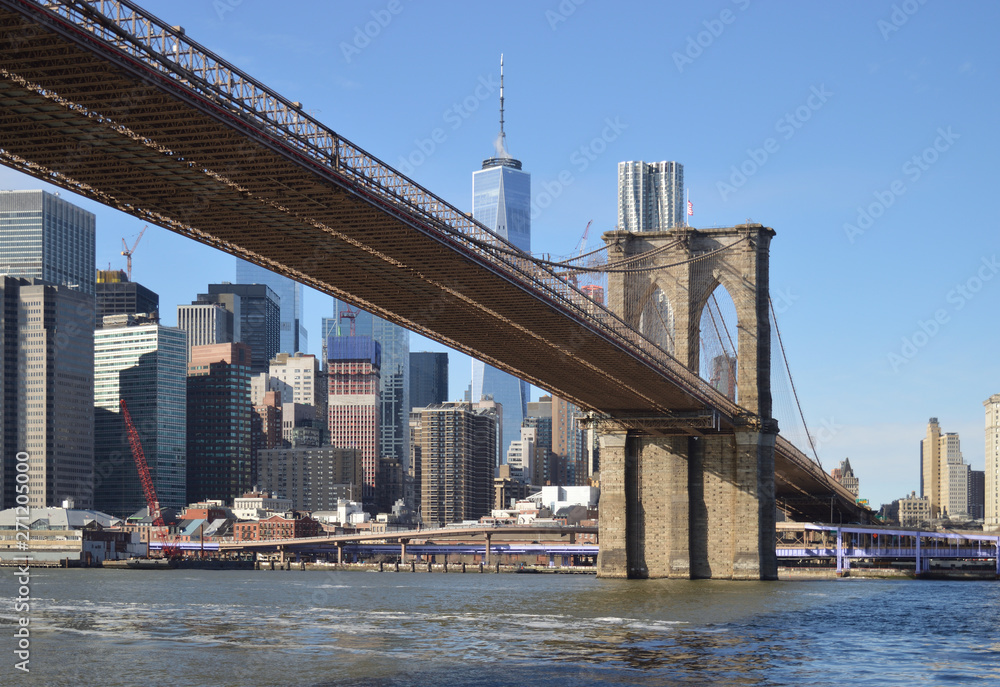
(862,132)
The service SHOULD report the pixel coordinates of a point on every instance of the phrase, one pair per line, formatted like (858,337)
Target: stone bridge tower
(698,505)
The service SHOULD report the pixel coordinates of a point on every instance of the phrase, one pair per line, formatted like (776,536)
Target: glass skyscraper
(501,199)
(294,337)
(47,380)
(394,434)
(146,364)
(258,310)
(45,237)
(428,378)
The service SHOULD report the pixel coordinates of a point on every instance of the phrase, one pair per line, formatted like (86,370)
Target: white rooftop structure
(56,519)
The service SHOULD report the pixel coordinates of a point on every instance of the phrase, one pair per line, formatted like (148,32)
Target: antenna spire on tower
(503,136)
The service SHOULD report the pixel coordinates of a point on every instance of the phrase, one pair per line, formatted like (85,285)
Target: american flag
(690,208)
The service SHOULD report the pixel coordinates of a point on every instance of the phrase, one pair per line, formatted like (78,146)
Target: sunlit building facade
(650,196)
(394,373)
(45,237)
(501,199)
(145,364)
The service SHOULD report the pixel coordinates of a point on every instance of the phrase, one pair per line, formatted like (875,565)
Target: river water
(182,627)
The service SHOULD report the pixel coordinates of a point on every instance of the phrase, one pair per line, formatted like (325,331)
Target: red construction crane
(152,503)
(350,314)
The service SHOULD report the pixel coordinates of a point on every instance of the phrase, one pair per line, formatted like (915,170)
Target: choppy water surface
(97,627)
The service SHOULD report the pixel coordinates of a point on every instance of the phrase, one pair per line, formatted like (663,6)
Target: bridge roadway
(111,103)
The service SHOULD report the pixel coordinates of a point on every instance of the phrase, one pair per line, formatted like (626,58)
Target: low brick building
(277,527)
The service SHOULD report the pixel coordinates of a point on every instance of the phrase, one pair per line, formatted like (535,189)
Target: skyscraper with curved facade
(650,195)
(501,200)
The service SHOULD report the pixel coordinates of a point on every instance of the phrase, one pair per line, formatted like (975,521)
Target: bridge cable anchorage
(795,394)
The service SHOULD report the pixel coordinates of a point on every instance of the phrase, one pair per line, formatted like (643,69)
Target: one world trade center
(501,200)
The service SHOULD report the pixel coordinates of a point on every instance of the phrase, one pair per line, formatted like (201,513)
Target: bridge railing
(166,49)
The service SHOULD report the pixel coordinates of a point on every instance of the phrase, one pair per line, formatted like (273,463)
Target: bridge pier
(687,507)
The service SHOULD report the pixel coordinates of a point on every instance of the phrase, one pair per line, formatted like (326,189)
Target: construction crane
(128,251)
(152,503)
(349,314)
(580,247)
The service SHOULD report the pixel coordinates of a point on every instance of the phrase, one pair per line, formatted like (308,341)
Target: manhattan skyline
(867,147)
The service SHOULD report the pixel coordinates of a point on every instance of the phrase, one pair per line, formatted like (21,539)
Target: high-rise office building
(428,379)
(977,493)
(394,373)
(522,457)
(219,442)
(944,477)
(723,375)
(259,316)
(299,372)
(47,340)
(569,464)
(501,200)
(314,478)
(456,442)
(540,418)
(650,196)
(930,467)
(353,367)
(991,514)
(145,364)
(300,425)
(45,237)
(293,337)
(266,425)
(116,295)
(208,324)
(262,383)
(954,478)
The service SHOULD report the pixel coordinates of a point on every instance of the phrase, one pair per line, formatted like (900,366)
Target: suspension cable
(795,394)
(731,361)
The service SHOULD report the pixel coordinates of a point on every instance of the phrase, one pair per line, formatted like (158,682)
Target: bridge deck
(113,104)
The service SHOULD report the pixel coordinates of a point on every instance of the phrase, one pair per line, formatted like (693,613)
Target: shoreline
(784,574)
